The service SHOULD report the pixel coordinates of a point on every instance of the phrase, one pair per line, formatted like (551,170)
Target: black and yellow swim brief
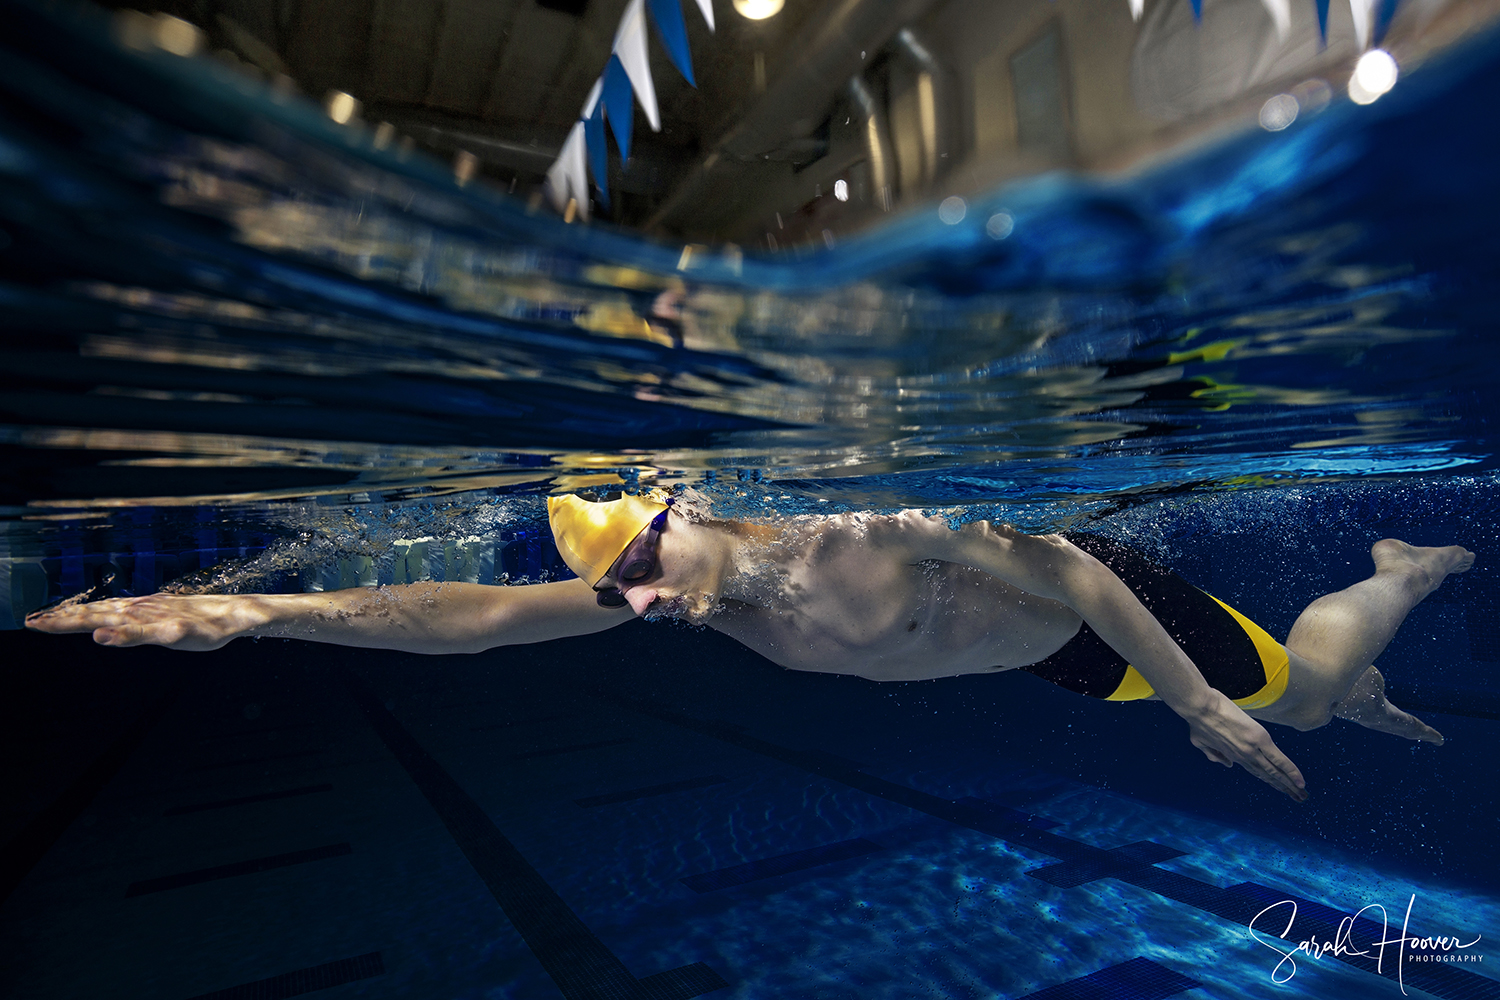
(1235,655)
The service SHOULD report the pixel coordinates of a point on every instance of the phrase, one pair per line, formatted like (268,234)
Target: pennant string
(626,80)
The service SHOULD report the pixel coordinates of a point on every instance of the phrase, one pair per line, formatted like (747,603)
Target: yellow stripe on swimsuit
(1273,658)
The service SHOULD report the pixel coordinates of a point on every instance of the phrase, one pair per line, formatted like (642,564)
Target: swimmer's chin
(695,611)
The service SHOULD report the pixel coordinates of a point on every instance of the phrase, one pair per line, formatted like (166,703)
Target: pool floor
(283,823)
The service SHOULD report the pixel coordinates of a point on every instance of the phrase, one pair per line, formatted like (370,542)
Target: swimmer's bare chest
(898,622)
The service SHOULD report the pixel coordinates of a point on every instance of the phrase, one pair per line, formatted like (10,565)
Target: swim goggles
(637,563)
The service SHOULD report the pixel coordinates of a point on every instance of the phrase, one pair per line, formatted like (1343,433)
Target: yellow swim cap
(590,536)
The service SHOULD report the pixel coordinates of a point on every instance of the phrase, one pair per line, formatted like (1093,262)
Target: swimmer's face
(681,585)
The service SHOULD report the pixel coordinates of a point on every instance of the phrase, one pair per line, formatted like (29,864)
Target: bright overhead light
(340,106)
(1376,72)
(758,10)
(1278,112)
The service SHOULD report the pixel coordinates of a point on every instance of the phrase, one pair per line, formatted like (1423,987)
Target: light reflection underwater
(245,342)
(240,266)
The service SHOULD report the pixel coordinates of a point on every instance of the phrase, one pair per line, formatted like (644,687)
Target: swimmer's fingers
(1228,736)
(80,617)
(181,622)
(1276,769)
(186,633)
(168,633)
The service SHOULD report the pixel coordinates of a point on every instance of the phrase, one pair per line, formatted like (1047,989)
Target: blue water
(291,310)
(246,350)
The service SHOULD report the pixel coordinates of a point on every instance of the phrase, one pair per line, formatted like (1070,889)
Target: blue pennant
(1197,10)
(619,103)
(593,133)
(673,30)
(1384,11)
(1323,21)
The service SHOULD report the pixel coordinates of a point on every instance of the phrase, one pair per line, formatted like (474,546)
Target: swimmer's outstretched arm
(417,618)
(1050,566)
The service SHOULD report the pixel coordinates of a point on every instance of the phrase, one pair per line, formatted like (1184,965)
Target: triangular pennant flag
(593,131)
(1361,11)
(673,30)
(1323,21)
(707,6)
(1384,11)
(1197,10)
(1137,7)
(1281,16)
(568,177)
(626,79)
(618,104)
(592,101)
(630,48)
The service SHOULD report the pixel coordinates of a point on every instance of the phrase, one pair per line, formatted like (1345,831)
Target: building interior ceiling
(898,102)
(505,79)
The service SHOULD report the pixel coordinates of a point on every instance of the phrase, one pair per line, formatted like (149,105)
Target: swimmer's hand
(1228,736)
(194,622)
(417,618)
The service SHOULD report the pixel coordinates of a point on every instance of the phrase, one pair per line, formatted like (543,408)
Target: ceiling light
(952,210)
(758,10)
(1376,72)
(341,107)
(1278,112)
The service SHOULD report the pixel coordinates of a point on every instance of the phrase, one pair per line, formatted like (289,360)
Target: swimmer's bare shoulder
(417,618)
(996,548)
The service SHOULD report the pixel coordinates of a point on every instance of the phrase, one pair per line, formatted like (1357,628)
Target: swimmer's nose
(640,599)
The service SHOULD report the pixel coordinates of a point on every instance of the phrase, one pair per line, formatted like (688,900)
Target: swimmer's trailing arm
(1050,566)
(417,618)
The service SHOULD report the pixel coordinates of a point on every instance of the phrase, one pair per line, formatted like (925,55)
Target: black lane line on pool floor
(244,800)
(262,731)
(293,984)
(252,867)
(571,748)
(37,837)
(1082,863)
(632,794)
(1137,979)
(579,963)
(247,761)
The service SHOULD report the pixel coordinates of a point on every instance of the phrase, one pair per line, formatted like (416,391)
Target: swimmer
(888,597)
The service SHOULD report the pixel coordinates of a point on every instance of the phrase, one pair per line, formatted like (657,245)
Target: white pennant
(1281,16)
(630,46)
(593,98)
(1363,12)
(1137,7)
(568,176)
(707,6)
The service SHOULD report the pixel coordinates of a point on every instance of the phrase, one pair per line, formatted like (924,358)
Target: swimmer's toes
(1429,563)
(1413,728)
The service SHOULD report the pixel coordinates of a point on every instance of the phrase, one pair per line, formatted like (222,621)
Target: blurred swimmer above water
(884,597)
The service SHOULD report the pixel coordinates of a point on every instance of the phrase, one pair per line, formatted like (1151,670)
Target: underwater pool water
(244,349)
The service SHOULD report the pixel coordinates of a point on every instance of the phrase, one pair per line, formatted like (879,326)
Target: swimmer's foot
(1425,567)
(1367,705)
